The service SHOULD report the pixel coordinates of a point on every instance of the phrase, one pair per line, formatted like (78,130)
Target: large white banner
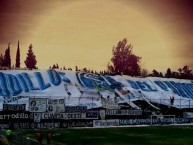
(158,90)
(81,89)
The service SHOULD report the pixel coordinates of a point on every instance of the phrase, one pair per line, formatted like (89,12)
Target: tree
(17,63)
(185,72)
(7,57)
(144,72)
(54,66)
(57,66)
(124,61)
(76,68)
(161,75)
(30,61)
(175,75)
(180,71)
(1,60)
(168,73)
(85,69)
(155,73)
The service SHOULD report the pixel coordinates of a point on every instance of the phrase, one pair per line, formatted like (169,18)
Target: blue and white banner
(159,90)
(85,89)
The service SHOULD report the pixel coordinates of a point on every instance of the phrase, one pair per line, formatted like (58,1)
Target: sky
(83,32)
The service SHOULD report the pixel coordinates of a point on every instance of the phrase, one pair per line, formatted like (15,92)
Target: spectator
(172,100)
(49,136)
(39,137)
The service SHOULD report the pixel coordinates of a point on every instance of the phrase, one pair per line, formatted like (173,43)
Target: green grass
(160,135)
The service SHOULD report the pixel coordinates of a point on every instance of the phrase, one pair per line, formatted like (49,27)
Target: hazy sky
(83,32)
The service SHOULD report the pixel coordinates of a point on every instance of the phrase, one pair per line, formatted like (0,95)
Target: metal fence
(23,140)
(20,140)
(179,103)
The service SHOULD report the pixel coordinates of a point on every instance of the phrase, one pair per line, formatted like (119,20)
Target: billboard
(56,105)
(37,104)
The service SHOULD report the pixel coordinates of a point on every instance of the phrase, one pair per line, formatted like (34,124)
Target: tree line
(123,62)
(182,73)
(30,61)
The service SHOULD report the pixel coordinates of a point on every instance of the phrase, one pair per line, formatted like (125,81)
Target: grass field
(158,135)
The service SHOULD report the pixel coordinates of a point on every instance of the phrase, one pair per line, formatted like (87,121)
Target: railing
(24,140)
(19,139)
(179,103)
